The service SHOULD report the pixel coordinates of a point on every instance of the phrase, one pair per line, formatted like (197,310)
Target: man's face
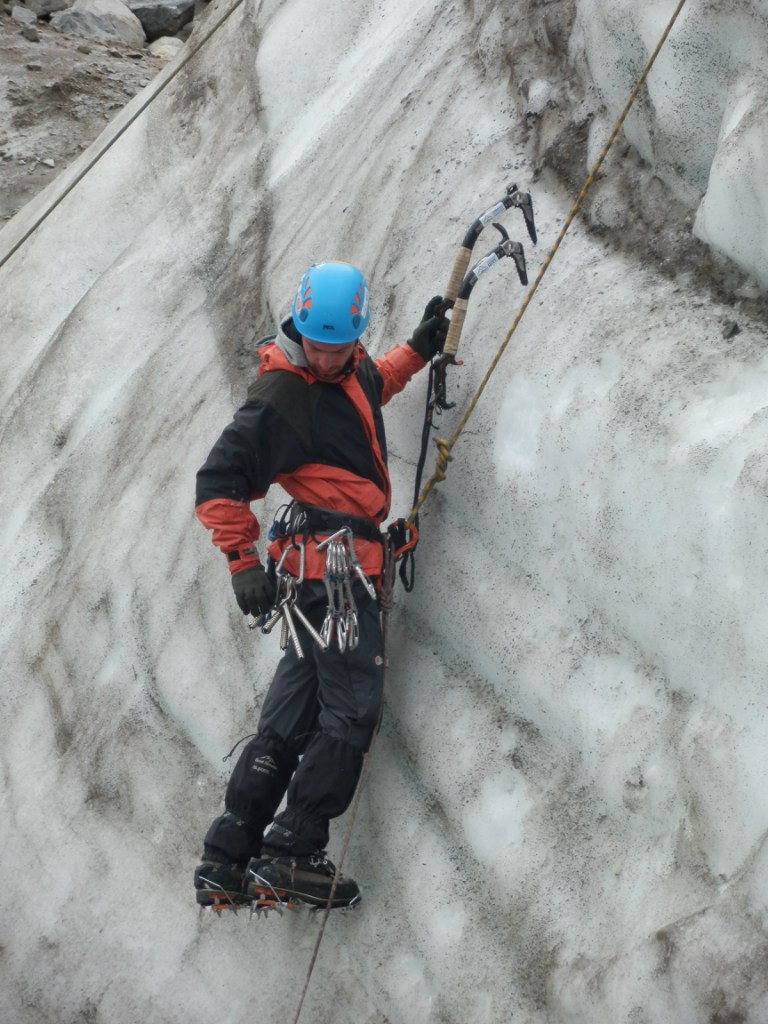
(327,362)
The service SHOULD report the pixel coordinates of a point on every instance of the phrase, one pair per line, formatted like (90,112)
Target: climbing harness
(342,567)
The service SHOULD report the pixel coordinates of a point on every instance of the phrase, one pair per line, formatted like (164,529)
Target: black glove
(254,590)
(429,337)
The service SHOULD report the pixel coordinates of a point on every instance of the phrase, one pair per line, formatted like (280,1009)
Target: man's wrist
(242,558)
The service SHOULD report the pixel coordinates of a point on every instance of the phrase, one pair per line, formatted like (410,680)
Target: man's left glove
(429,337)
(254,590)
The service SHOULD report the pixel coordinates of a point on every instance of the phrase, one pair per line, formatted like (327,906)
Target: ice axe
(512,197)
(403,533)
(461,283)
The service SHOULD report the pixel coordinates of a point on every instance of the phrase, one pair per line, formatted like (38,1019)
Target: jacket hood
(291,348)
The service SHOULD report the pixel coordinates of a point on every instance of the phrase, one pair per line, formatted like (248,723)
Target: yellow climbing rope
(445,447)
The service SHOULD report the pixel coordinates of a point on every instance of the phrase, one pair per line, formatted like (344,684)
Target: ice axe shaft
(461,303)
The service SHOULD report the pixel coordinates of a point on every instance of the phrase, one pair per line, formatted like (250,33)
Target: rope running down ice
(445,447)
(388,582)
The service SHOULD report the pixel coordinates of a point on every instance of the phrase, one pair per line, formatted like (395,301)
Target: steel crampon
(267,900)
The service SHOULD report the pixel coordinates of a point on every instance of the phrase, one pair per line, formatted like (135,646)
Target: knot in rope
(443,458)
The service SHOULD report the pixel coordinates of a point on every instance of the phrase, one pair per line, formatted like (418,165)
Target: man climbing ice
(312,423)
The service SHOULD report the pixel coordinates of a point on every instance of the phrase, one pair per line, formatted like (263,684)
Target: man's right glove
(429,337)
(254,590)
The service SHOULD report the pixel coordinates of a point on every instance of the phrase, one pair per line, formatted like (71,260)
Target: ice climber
(312,423)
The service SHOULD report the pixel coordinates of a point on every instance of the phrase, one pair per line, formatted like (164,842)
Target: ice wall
(701,125)
(566,816)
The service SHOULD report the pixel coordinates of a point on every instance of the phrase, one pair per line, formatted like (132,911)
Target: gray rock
(43,8)
(110,20)
(166,47)
(23,15)
(30,33)
(162,17)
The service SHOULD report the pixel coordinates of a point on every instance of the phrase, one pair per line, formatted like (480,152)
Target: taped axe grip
(454,331)
(457,274)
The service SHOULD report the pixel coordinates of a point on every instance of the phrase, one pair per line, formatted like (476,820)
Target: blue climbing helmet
(331,303)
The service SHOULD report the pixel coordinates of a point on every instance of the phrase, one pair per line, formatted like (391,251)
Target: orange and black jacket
(323,443)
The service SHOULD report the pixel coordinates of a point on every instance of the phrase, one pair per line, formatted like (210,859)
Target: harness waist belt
(299,519)
(326,520)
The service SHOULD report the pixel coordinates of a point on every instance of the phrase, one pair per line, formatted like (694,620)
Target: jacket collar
(287,341)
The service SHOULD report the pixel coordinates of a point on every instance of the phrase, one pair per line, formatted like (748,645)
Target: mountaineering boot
(220,886)
(290,879)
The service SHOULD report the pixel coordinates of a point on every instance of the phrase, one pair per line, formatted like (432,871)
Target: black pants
(316,723)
